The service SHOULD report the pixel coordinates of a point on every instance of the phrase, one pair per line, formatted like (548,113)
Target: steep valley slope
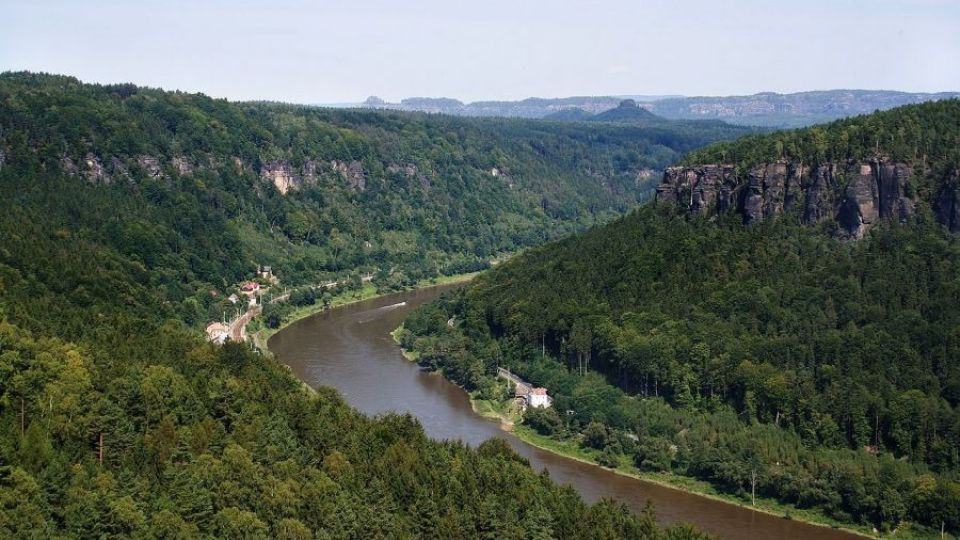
(782,323)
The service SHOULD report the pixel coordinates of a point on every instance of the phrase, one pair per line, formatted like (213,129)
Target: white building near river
(538,398)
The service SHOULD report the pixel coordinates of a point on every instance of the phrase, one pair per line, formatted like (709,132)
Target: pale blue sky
(322,52)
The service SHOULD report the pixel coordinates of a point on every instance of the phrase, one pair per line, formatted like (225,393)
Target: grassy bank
(571,449)
(509,415)
(502,411)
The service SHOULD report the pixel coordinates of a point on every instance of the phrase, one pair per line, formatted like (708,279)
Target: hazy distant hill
(764,109)
(527,108)
(628,112)
(789,110)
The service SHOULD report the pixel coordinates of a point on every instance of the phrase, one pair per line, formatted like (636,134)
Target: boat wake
(378,311)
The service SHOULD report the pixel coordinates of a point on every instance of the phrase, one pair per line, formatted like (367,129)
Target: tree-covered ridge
(825,372)
(770,357)
(386,191)
(183,440)
(116,421)
(925,135)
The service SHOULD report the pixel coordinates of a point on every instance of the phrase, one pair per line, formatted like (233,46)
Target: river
(350,349)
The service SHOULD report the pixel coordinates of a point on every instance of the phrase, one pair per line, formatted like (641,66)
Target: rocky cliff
(948,202)
(288,178)
(856,194)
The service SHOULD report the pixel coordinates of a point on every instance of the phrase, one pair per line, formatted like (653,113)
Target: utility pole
(23,417)
(100,450)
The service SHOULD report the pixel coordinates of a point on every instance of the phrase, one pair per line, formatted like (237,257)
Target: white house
(538,398)
(217,332)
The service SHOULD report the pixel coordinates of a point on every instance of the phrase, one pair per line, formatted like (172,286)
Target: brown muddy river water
(350,349)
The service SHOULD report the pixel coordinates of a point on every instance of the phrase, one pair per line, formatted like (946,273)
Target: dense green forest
(927,136)
(116,421)
(315,192)
(153,435)
(771,358)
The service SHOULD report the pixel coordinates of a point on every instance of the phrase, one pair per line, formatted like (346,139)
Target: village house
(538,398)
(524,392)
(217,332)
(250,287)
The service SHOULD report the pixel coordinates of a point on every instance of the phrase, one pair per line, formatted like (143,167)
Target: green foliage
(926,135)
(771,357)
(115,421)
(172,182)
(545,420)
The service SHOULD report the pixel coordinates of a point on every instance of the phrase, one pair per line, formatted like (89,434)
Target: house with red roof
(538,398)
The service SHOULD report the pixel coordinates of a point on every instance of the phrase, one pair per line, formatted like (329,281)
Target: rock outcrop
(856,194)
(281,175)
(287,178)
(182,165)
(150,165)
(410,171)
(948,202)
(701,189)
(353,172)
(93,170)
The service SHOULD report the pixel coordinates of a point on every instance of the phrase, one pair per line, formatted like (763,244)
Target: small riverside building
(538,398)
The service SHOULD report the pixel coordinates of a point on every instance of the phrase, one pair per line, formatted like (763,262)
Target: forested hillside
(772,358)
(314,192)
(149,434)
(125,216)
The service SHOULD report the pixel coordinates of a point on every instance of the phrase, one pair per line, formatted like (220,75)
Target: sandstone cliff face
(353,172)
(287,178)
(93,170)
(701,189)
(281,175)
(857,194)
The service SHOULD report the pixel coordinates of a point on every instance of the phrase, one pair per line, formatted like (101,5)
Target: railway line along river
(350,349)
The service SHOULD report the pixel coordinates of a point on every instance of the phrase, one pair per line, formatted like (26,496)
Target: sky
(342,52)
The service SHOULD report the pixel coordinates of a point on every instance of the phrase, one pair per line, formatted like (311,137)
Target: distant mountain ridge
(528,108)
(768,109)
(790,110)
(628,112)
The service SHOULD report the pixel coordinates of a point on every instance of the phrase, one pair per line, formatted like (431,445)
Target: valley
(747,334)
(713,293)
(349,349)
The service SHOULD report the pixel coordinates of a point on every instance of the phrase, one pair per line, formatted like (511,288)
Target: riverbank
(511,419)
(571,450)
(262,335)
